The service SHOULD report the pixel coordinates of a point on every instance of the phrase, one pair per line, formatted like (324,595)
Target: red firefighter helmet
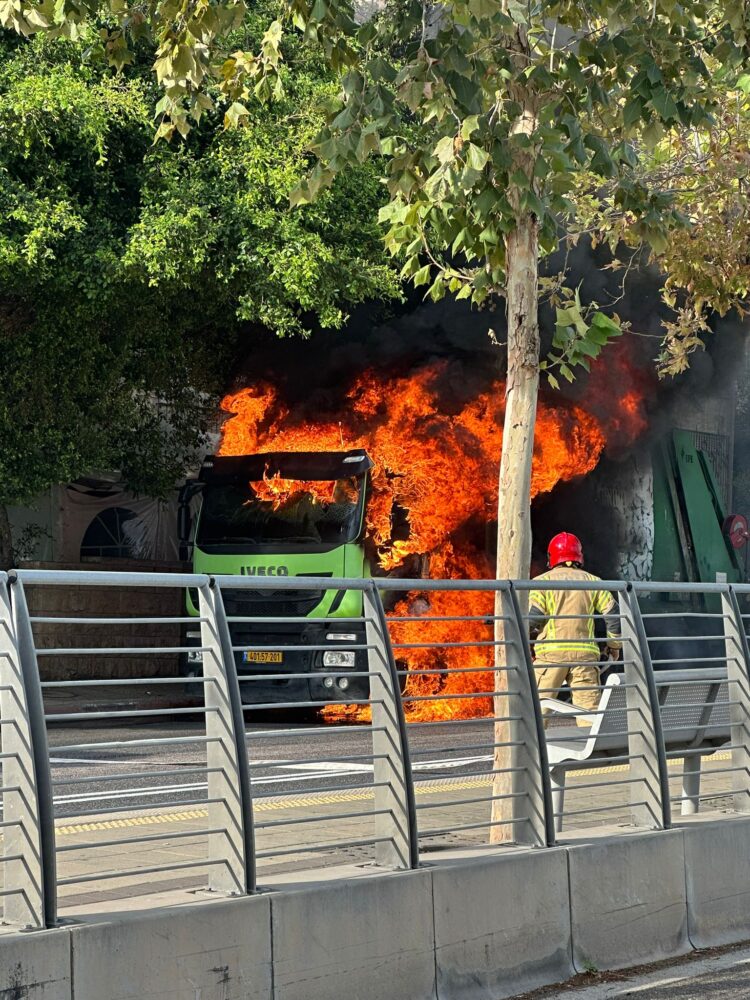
(564,548)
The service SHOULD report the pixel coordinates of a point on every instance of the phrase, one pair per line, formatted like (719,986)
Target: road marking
(97,760)
(322,769)
(327,765)
(122,794)
(333,798)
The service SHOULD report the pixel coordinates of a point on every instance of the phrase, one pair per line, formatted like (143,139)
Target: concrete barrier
(35,966)
(366,939)
(627,900)
(717,870)
(502,925)
(480,928)
(220,950)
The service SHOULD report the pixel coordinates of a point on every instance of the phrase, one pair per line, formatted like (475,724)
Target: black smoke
(317,371)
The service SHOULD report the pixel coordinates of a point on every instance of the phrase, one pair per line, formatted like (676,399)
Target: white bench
(695,723)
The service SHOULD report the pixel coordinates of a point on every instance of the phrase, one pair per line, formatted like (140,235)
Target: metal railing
(423,727)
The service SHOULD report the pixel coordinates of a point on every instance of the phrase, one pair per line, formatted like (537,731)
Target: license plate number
(263,656)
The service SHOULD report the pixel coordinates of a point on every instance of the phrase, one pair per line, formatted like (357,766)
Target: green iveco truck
(283,514)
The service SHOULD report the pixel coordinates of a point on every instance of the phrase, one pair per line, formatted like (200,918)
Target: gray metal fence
(415,726)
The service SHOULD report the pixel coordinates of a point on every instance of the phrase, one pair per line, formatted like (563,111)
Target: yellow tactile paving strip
(300,802)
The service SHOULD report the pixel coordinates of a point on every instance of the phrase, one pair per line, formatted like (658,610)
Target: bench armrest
(560,707)
(555,707)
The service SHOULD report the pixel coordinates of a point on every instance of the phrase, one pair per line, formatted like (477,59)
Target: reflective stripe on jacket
(568,628)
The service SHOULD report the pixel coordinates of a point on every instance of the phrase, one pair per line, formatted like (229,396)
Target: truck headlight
(338,658)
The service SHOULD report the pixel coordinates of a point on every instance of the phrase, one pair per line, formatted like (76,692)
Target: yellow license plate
(263,656)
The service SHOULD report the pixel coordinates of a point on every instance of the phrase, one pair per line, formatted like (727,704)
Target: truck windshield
(281,510)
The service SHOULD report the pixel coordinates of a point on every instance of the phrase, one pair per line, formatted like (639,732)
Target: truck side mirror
(185,519)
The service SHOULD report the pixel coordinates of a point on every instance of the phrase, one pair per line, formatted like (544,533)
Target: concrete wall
(217,951)
(369,939)
(628,900)
(475,928)
(502,925)
(35,966)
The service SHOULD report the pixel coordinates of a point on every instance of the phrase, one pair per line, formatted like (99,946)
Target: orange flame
(278,492)
(434,480)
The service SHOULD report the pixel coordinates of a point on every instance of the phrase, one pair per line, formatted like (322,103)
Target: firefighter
(562,627)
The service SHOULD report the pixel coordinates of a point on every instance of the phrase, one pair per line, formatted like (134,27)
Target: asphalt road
(91,775)
(717,977)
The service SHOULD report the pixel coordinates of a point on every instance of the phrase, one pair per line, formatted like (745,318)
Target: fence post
(738,690)
(532,779)
(232,852)
(649,793)
(28,815)
(396,815)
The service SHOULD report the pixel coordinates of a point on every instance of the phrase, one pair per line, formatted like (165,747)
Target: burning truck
(406,485)
(285,514)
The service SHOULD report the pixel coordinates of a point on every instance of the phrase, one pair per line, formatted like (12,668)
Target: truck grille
(271,603)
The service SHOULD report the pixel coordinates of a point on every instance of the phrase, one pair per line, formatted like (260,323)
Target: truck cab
(280,515)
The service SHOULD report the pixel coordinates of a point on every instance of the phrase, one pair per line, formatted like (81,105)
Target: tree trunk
(7,557)
(514,493)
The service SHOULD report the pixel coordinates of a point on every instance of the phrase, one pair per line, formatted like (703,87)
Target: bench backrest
(694,709)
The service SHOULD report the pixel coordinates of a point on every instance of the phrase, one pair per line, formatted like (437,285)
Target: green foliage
(479,114)
(131,274)
(89,368)
(223,203)
(485,113)
(579,338)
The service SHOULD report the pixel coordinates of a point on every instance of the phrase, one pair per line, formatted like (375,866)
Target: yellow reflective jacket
(564,618)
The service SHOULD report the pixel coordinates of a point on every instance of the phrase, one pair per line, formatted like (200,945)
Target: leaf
(380,69)
(657,240)
(437,290)
(567,373)
(589,348)
(567,317)
(530,202)
(553,381)
(461,240)
(444,150)
(664,104)
(300,195)
(574,72)
(422,276)
(469,126)
(632,112)
(519,179)
(476,157)
(486,201)
(518,11)
(234,114)
(466,91)
(606,324)
(653,134)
